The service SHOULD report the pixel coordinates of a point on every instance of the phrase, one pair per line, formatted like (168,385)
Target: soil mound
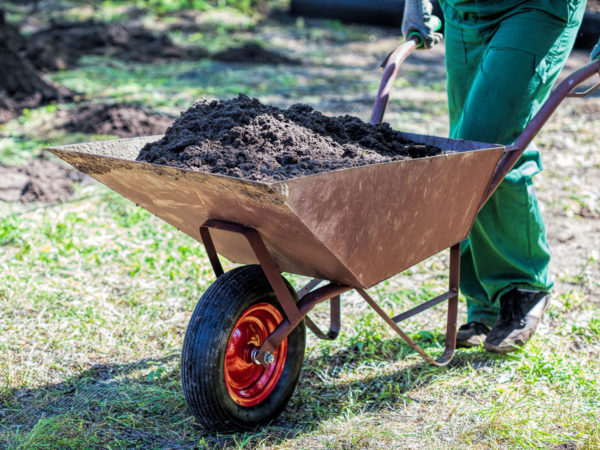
(117,119)
(130,43)
(246,139)
(21,85)
(8,109)
(253,53)
(41,180)
(49,56)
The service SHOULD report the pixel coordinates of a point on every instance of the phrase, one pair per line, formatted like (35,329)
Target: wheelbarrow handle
(390,66)
(565,89)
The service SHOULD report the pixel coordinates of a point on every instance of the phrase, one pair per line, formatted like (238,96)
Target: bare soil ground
(120,119)
(253,53)
(21,85)
(131,42)
(39,181)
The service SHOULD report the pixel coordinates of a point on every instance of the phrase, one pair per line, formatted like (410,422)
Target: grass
(96,292)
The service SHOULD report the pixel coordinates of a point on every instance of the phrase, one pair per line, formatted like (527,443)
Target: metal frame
(391,66)
(310,295)
(565,89)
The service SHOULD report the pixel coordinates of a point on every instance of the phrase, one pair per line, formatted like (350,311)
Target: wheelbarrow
(348,229)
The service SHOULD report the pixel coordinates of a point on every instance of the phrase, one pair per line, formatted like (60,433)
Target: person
(502,59)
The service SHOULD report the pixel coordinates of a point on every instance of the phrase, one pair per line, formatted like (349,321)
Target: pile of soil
(253,53)
(8,109)
(21,85)
(41,180)
(125,120)
(48,56)
(246,139)
(126,42)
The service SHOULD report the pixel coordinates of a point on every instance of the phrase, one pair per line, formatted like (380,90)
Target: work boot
(471,334)
(520,314)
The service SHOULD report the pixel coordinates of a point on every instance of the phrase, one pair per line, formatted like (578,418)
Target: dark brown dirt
(8,109)
(49,56)
(20,81)
(21,85)
(125,120)
(243,138)
(127,42)
(41,180)
(253,53)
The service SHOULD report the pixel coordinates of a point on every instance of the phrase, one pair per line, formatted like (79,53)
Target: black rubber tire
(203,354)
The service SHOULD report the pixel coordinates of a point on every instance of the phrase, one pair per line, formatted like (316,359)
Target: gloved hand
(417,19)
(596,51)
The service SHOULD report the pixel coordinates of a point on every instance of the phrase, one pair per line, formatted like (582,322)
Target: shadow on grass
(140,404)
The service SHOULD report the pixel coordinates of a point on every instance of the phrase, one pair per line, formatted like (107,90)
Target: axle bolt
(268,358)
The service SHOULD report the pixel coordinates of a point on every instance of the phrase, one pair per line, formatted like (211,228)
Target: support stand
(310,295)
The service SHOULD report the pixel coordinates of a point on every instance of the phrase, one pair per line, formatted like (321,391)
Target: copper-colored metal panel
(186,199)
(354,226)
(381,219)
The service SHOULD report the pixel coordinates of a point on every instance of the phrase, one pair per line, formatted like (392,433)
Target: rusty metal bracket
(586,92)
(305,305)
(309,287)
(310,296)
(264,258)
(294,312)
(451,295)
(334,312)
(211,251)
(334,325)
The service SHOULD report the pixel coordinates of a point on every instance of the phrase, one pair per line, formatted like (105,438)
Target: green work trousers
(502,59)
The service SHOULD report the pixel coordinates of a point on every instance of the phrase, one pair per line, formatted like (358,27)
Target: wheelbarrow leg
(309,298)
(454,282)
(451,295)
(334,313)
(263,256)
(335,324)
(211,251)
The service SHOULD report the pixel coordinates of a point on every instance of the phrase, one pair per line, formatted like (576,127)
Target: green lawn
(96,292)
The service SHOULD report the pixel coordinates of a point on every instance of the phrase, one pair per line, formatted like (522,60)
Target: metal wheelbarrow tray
(354,227)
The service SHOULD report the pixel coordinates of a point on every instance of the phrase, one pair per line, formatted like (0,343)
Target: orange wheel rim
(248,383)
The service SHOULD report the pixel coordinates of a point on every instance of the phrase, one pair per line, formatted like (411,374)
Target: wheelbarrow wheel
(223,387)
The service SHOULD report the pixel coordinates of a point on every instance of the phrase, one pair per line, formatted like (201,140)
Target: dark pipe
(382,12)
(389,13)
(374,12)
(589,32)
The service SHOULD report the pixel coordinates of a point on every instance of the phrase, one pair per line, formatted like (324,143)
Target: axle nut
(269,358)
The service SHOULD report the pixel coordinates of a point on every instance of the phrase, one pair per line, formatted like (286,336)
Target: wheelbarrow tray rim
(471,146)
(356,226)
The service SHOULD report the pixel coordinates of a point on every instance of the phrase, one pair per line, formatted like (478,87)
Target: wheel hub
(249,383)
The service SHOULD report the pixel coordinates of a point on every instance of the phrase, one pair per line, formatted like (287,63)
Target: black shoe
(520,314)
(471,334)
